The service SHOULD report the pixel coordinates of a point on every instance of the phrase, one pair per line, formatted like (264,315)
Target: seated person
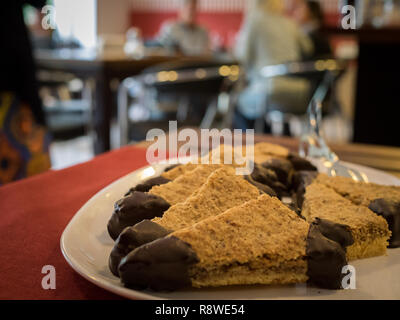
(269,38)
(185,36)
(309,16)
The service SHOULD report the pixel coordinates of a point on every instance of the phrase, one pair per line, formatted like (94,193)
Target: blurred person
(268,38)
(309,15)
(23,136)
(392,13)
(185,36)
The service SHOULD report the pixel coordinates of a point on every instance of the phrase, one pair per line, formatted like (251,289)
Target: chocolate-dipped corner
(340,233)
(133,209)
(160,265)
(390,211)
(267,177)
(283,169)
(172,166)
(263,188)
(326,253)
(301,164)
(132,238)
(148,184)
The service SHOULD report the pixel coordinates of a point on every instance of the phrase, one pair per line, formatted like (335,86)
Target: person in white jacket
(268,37)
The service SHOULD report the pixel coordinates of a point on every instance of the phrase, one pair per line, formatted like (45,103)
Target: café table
(106,70)
(35,211)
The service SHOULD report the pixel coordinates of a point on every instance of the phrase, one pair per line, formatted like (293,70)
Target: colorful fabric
(24,145)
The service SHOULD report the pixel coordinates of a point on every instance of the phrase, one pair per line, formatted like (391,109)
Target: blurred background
(79,78)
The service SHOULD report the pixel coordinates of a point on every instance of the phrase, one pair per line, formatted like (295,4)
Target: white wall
(77,19)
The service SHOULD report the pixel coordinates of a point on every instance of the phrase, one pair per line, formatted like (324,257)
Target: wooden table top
(73,58)
(84,63)
(379,157)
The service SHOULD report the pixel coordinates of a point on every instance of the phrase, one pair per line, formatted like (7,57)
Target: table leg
(102,115)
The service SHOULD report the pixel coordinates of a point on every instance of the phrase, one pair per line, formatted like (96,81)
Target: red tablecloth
(33,215)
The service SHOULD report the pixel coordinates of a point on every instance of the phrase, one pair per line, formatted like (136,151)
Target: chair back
(186,77)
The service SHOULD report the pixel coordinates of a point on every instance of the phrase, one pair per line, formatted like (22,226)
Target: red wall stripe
(226,25)
(223,17)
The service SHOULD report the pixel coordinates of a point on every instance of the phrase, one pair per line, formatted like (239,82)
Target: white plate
(86,246)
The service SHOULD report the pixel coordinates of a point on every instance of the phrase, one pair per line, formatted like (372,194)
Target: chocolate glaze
(268,177)
(132,238)
(172,167)
(264,175)
(133,209)
(262,187)
(148,184)
(326,253)
(337,232)
(302,179)
(283,169)
(390,210)
(160,265)
(301,164)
